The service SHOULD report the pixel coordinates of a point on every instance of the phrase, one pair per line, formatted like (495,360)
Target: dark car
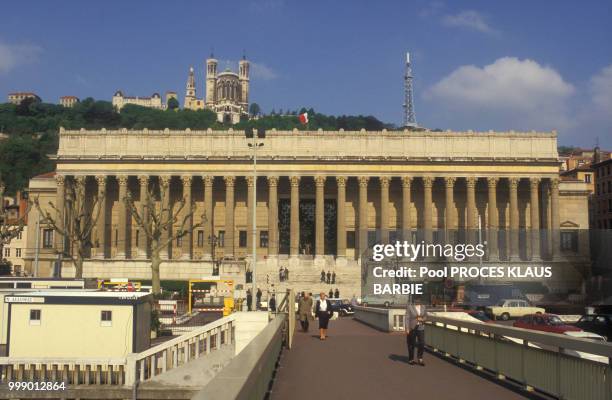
(342,306)
(481,316)
(597,323)
(545,323)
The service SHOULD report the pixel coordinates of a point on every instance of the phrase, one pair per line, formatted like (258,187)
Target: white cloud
(507,94)
(14,55)
(262,71)
(469,19)
(600,88)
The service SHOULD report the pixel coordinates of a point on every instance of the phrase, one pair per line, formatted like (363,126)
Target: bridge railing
(175,352)
(558,365)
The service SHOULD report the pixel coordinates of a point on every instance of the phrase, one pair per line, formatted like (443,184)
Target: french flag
(303,118)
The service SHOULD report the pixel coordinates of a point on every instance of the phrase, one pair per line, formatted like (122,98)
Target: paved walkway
(358,362)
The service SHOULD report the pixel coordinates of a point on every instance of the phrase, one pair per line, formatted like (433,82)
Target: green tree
(173,104)
(254,109)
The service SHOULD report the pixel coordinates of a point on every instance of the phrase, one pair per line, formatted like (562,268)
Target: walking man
(414,322)
(305,310)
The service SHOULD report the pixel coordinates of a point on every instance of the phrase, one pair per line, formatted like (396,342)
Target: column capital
(406,180)
(363,181)
(60,180)
(341,181)
(164,180)
(384,181)
(122,179)
(186,180)
(320,180)
(208,180)
(428,181)
(229,180)
(514,181)
(534,182)
(250,180)
(471,181)
(449,181)
(554,183)
(492,181)
(295,180)
(101,180)
(273,181)
(143,180)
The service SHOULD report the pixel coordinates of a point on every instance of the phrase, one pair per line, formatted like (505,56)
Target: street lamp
(254,145)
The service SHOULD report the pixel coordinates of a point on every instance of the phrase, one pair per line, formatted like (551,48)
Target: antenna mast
(409,118)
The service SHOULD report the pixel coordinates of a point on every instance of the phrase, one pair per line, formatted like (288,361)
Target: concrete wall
(248,325)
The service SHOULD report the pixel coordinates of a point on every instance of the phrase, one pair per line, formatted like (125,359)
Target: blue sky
(478,65)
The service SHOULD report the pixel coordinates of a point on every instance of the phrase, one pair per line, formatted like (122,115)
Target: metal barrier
(384,319)
(549,370)
(287,306)
(178,351)
(248,375)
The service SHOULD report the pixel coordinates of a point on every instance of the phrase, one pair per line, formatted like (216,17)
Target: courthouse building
(322,199)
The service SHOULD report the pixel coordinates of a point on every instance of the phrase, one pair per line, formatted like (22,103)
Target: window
(137,237)
(609,208)
(19,235)
(7,252)
(47,238)
(587,178)
(18,253)
(200,238)
(569,241)
(106,318)
(263,239)
(350,239)
(179,241)
(116,237)
(221,239)
(35,317)
(242,238)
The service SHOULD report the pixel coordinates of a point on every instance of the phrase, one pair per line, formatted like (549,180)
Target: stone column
(122,223)
(406,228)
(384,209)
(470,223)
(101,222)
(534,187)
(493,221)
(60,201)
(341,217)
(80,189)
(164,188)
(449,221)
(555,219)
(187,240)
(229,215)
(320,216)
(363,215)
(294,250)
(144,212)
(427,207)
(514,218)
(272,216)
(208,216)
(251,204)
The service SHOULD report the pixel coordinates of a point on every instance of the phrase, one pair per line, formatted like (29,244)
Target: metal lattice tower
(409,118)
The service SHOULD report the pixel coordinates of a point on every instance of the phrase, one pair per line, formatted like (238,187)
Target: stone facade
(324,197)
(155,101)
(69,101)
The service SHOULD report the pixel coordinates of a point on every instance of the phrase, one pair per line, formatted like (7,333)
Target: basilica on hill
(227,92)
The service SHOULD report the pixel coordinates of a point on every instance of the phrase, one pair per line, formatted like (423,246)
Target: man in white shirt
(414,323)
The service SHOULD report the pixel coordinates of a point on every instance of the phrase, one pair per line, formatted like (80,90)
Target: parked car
(480,315)
(545,323)
(342,306)
(512,308)
(597,323)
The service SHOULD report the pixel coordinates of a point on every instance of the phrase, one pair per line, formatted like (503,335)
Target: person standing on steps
(333,278)
(323,311)
(258,298)
(322,276)
(249,299)
(337,294)
(414,322)
(286,274)
(328,277)
(305,311)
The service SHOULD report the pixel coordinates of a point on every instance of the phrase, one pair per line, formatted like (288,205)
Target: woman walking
(323,311)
